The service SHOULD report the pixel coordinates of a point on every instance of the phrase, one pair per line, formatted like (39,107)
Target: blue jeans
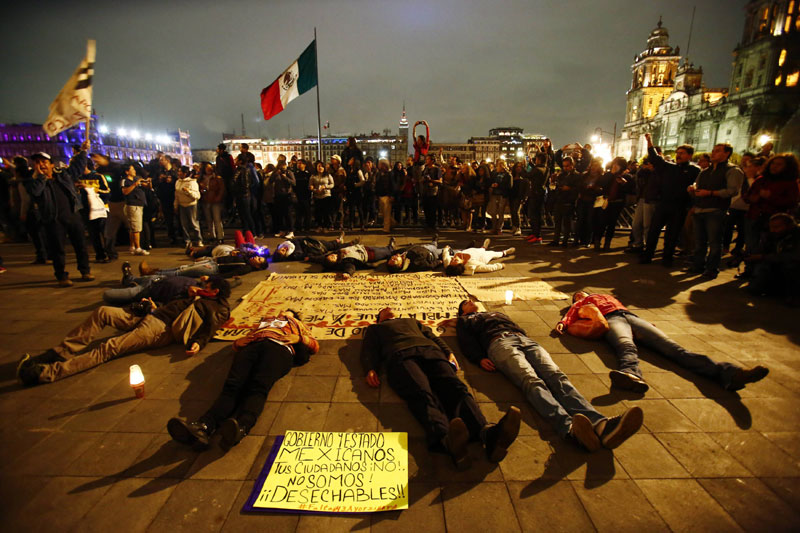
(708,238)
(127,295)
(207,267)
(624,327)
(546,387)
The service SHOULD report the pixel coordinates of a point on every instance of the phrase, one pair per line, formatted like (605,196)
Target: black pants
(430,205)
(433,392)
(97,234)
(368,208)
(583,233)
(608,223)
(169,217)
(34,228)
(672,216)
(563,214)
(302,216)
(257,212)
(535,204)
(283,214)
(56,233)
(254,371)
(245,213)
(734,220)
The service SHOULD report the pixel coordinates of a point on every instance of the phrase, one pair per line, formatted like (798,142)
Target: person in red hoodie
(260,359)
(625,326)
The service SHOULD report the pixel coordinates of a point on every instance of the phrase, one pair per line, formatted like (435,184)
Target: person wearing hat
(59,203)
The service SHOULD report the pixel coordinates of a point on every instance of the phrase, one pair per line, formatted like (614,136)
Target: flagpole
(319,122)
(90,55)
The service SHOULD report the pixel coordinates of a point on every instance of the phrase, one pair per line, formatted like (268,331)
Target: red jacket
(782,198)
(606,304)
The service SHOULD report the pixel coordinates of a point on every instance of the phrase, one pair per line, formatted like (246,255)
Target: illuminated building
(761,103)
(121,144)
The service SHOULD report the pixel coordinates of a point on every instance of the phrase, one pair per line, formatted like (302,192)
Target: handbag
(591,323)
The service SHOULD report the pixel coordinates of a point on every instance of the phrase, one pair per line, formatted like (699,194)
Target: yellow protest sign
(334,473)
(339,309)
(494,289)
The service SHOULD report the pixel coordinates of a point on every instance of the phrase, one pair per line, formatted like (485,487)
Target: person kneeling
(421,369)
(495,342)
(262,358)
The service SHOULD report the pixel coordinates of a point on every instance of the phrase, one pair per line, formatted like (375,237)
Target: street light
(598,136)
(763,139)
(122,132)
(103,129)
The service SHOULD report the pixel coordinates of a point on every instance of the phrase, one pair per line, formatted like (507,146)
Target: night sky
(557,67)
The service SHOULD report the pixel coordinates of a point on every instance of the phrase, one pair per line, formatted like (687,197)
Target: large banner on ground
(310,471)
(494,289)
(339,309)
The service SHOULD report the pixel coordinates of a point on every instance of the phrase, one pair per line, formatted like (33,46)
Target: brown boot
(146,270)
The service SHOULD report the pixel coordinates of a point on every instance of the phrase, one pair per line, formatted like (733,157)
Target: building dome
(659,37)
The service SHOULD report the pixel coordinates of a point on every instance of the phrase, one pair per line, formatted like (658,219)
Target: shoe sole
(180,433)
(629,425)
(623,381)
(457,439)
(583,431)
(508,434)
(228,430)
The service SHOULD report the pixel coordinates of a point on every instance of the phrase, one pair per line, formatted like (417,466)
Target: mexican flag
(297,79)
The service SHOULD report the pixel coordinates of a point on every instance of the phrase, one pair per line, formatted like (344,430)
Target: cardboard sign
(325,472)
(339,309)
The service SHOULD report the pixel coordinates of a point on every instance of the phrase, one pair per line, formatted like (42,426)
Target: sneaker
(39,261)
(634,249)
(618,429)
(281,234)
(391,243)
(708,275)
(195,434)
(290,235)
(341,237)
(500,436)
(693,270)
(628,381)
(583,432)
(743,376)
(530,238)
(126,269)
(140,251)
(509,251)
(456,444)
(132,250)
(517,232)
(231,433)
(66,282)
(552,243)
(486,242)
(87,277)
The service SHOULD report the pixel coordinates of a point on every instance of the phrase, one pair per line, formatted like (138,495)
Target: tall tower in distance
(403,131)
(654,72)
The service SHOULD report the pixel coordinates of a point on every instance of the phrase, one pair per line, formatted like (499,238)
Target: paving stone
(527,460)
(701,456)
(311,389)
(751,503)
(110,455)
(594,468)
(788,441)
(266,419)
(643,457)
(129,505)
(349,389)
(758,454)
(711,416)
(53,455)
(619,505)
(465,504)
(660,416)
(300,417)
(239,521)
(548,505)
(216,463)
(332,523)
(425,510)
(787,489)
(694,511)
(352,417)
(197,505)
(61,501)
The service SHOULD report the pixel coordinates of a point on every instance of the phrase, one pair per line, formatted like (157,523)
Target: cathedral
(669,100)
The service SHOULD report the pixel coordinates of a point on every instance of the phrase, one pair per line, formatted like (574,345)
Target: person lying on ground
(190,321)
(473,260)
(416,258)
(350,258)
(623,327)
(266,355)
(301,249)
(494,342)
(421,369)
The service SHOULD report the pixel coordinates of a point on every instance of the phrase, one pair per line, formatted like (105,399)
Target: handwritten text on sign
(336,309)
(338,472)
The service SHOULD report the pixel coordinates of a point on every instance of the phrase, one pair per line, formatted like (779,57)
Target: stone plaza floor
(83,454)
